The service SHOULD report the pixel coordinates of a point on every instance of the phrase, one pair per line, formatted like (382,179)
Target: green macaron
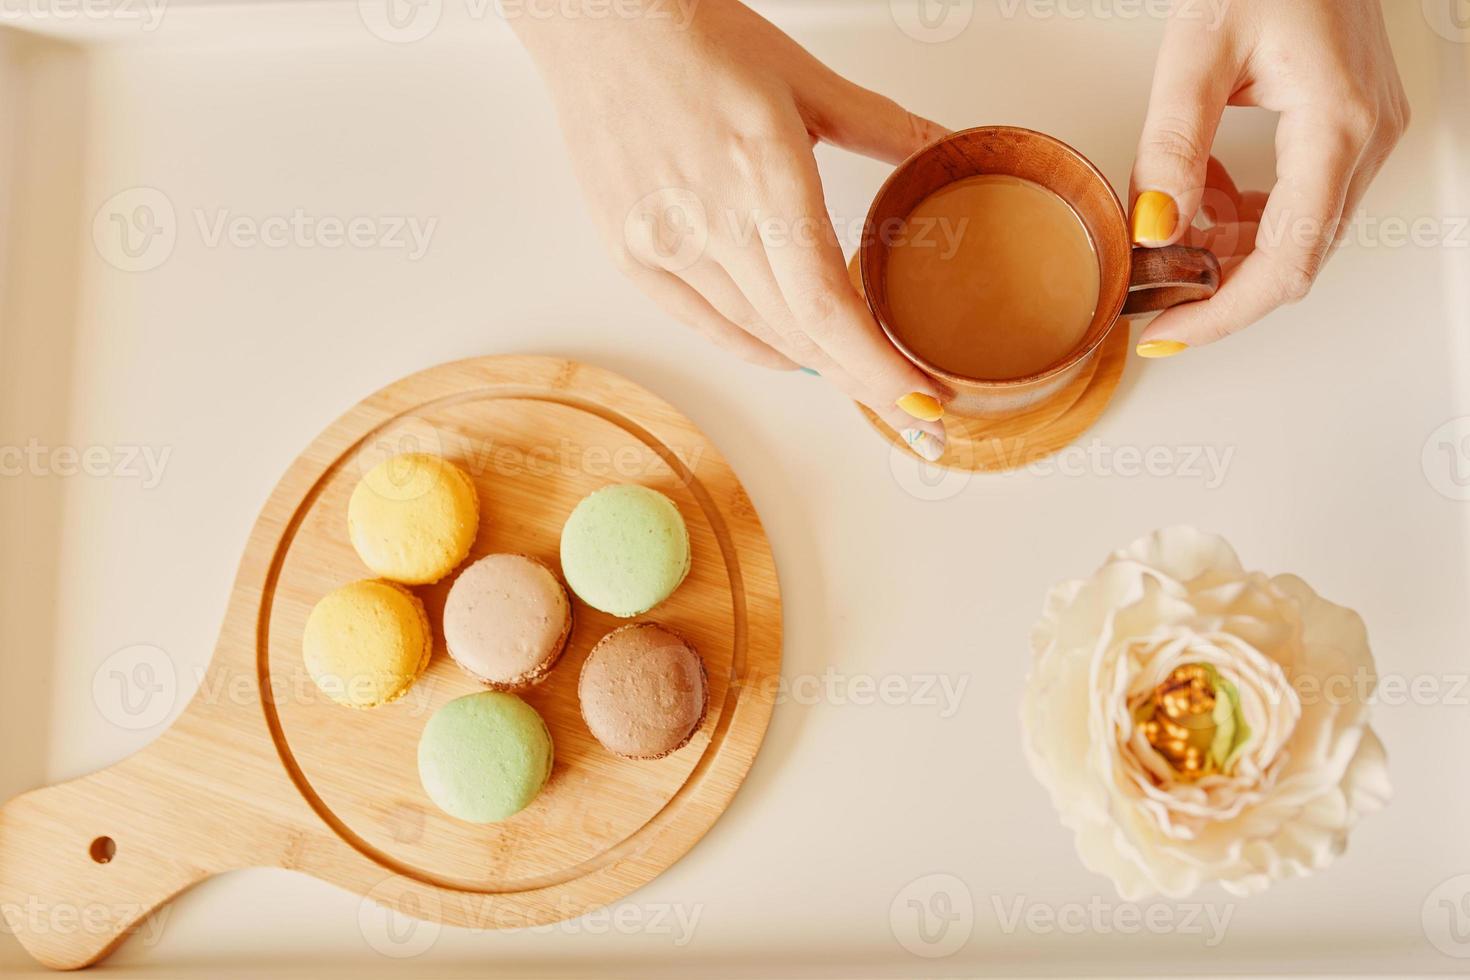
(484,757)
(625,549)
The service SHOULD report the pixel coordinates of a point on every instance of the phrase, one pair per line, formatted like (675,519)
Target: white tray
(256,110)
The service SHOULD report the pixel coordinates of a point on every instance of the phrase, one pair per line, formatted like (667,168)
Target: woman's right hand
(693,142)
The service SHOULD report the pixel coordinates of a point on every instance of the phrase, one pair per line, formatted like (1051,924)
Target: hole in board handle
(103,849)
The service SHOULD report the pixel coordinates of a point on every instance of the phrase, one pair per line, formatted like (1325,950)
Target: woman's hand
(693,142)
(1326,66)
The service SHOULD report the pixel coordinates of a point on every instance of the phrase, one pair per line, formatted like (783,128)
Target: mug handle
(1165,277)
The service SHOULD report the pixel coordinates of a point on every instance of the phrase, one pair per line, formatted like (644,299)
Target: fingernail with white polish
(926,444)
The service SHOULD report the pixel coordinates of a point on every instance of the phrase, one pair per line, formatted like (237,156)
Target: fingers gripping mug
(1130,281)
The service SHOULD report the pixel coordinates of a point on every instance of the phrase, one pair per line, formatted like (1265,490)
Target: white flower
(1192,720)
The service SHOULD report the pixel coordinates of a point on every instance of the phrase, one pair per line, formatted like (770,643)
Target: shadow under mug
(1131,281)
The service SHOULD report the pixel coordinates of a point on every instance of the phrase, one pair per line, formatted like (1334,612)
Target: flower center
(1192,721)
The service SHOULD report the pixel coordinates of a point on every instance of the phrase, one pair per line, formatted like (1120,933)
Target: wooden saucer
(998,445)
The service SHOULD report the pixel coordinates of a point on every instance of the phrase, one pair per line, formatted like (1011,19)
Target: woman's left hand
(1327,68)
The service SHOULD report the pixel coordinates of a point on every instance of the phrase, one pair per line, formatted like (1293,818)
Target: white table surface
(231,359)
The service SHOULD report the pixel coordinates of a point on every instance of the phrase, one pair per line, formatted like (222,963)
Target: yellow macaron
(413,518)
(366,643)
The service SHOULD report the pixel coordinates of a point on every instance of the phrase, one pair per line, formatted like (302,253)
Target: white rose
(1279,762)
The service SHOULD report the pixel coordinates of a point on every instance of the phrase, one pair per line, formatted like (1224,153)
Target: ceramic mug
(1132,281)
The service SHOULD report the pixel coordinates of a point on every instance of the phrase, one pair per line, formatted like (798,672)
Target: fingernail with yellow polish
(926,444)
(925,408)
(1155,216)
(1161,348)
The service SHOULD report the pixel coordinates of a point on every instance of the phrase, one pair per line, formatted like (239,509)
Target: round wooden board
(997,445)
(261,769)
(532,457)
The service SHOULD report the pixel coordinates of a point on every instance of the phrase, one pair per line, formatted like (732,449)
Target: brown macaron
(506,621)
(644,691)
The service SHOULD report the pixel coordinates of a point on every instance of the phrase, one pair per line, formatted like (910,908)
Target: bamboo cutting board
(262,770)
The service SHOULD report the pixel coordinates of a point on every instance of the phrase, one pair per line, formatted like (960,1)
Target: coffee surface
(992,277)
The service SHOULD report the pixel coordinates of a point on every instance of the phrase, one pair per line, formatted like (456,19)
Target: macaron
(366,643)
(625,549)
(484,757)
(413,517)
(644,691)
(507,620)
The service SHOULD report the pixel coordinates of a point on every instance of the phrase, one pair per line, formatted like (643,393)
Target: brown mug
(1131,281)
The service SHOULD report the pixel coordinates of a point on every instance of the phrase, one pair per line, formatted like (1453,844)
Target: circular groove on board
(738,690)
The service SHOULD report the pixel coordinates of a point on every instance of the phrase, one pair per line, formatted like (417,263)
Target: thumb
(1190,91)
(861,120)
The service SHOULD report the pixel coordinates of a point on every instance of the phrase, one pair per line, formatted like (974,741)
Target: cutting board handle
(87,863)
